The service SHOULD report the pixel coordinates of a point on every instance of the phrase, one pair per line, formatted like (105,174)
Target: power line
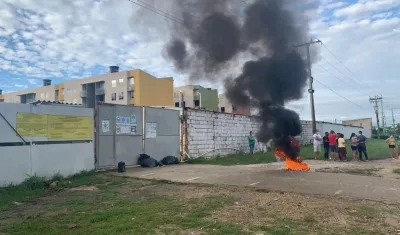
(342,74)
(330,52)
(157,11)
(327,87)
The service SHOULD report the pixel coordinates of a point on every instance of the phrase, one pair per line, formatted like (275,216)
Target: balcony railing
(83,93)
(100,91)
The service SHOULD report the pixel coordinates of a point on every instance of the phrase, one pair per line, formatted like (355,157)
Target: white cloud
(68,39)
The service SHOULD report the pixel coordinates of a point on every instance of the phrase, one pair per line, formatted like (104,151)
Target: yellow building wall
(152,91)
(60,87)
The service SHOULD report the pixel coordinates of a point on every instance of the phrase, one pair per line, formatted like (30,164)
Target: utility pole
(311,81)
(393,120)
(383,117)
(374,102)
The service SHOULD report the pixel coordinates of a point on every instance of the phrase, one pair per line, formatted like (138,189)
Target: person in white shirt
(317,144)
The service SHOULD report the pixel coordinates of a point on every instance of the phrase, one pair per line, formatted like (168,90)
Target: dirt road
(270,177)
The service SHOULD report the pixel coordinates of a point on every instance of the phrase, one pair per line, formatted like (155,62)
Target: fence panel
(8,121)
(162,136)
(129,133)
(119,134)
(105,129)
(44,140)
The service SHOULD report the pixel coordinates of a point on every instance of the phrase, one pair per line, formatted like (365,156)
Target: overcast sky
(64,40)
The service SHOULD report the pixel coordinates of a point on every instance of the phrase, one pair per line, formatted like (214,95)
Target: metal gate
(123,132)
(119,134)
(162,133)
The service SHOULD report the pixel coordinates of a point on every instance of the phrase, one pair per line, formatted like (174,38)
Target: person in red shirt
(332,146)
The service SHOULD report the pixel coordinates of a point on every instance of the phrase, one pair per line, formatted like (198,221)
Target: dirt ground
(111,203)
(378,168)
(131,206)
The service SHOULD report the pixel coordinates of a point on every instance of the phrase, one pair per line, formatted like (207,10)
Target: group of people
(335,146)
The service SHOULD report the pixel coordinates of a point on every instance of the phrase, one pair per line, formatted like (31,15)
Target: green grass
(377,149)
(108,211)
(35,186)
(396,171)
(123,205)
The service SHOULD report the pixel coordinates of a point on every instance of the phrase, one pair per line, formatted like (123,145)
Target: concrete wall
(205,131)
(152,91)
(208,98)
(323,127)
(362,122)
(188,96)
(39,156)
(223,102)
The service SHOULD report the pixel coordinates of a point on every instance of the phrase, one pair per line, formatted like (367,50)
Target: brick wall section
(207,131)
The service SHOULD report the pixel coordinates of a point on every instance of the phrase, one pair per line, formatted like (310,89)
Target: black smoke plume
(213,37)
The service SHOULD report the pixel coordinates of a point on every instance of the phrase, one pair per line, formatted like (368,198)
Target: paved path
(271,178)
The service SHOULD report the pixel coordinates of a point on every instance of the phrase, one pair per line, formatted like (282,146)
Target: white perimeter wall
(19,162)
(207,131)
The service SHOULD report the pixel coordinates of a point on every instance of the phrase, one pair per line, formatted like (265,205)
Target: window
(196,103)
(177,104)
(121,95)
(120,82)
(42,96)
(113,96)
(130,94)
(222,109)
(47,95)
(73,92)
(114,83)
(131,80)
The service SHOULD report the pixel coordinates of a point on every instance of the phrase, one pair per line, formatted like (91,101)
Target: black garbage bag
(142,157)
(121,166)
(149,162)
(170,160)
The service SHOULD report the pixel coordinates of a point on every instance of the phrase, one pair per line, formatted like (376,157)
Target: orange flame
(294,165)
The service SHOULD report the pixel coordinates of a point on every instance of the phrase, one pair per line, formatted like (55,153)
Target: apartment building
(226,107)
(133,87)
(196,96)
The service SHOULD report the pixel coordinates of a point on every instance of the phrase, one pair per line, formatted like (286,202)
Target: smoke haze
(213,38)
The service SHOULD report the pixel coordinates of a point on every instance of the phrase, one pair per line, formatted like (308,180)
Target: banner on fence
(63,127)
(31,124)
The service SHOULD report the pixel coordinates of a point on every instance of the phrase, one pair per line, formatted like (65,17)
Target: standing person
(252,142)
(317,144)
(332,146)
(325,140)
(392,146)
(342,148)
(354,146)
(362,147)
